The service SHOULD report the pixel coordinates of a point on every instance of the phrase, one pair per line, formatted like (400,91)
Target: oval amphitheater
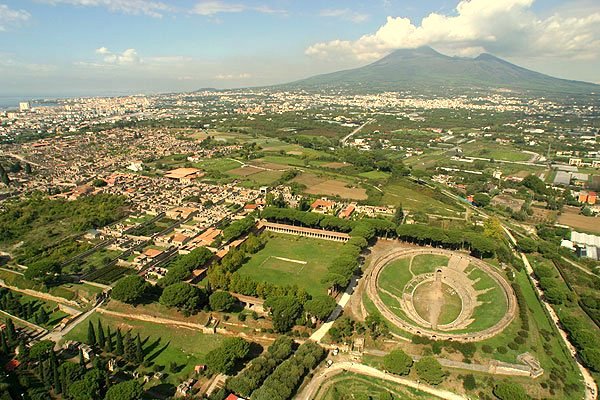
(441,294)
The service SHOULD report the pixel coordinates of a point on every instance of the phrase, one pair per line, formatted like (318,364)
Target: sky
(109,47)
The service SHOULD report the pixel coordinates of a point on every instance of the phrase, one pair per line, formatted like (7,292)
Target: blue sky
(72,47)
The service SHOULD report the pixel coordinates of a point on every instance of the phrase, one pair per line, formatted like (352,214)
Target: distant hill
(427,70)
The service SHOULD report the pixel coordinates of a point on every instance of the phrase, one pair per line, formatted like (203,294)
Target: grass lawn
(317,254)
(348,385)
(395,276)
(375,175)
(414,197)
(163,344)
(426,263)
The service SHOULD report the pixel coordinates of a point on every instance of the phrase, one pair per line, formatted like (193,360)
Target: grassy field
(162,344)
(312,257)
(426,263)
(348,385)
(418,198)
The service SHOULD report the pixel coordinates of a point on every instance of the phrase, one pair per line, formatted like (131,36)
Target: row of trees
(127,346)
(181,268)
(284,380)
(428,368)
(261,367)
(585,340)
(238,228)
(33,310)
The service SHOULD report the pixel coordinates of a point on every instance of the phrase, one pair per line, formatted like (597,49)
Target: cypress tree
(101,337)
(119,347)
(91,335)
(109,344)
(4,344)
(139,351)
(23,349)
(55,374)
(129,345)
(11,333)
(81,359)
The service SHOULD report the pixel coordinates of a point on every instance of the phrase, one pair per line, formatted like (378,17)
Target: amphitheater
(422,306)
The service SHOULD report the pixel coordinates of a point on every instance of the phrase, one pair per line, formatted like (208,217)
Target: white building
(24,106)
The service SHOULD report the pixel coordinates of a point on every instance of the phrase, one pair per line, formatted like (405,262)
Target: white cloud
(10,17)
(136,7)
(214,7)
(345,14)
(127,57)
(507,27)
(232,77)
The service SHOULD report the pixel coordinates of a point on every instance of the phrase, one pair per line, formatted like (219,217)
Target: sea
(12,102)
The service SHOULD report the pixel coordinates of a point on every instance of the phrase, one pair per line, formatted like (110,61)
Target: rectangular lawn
(293,260)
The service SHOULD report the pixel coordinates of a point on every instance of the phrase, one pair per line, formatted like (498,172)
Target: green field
(423,264)
(415,198)
(348,385)
(163,344)
(263,266)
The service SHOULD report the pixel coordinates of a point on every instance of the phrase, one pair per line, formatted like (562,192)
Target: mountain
(424,69)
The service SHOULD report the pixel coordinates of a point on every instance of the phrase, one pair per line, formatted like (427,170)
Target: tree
(398,362)
(510,391)
(109,344)
(4,344)
(130,289)
(469,382)
(183,296)
(128,390)
(139,351)
(119,348)
(91,334)
(4,176)
(101,337)
(27,168)
(320,307)
(527,245)
(398,215)
(224,358)
(41,350)
(44,271)
(11,333)
(430,370)
(284,311)
(221,301)
(481,199)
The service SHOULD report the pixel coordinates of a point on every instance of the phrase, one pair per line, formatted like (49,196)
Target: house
(199,368)
(12,365)
(347,212)
(185,175)
(152,253)
(234,397)
(322,206)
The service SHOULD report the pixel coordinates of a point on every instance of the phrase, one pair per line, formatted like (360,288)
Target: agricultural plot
(293,260)
(108,274)
(571,217)
(328,186)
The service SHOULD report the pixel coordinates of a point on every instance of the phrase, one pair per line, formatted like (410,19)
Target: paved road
(354,132)
(310,390)
(56,336)
(320,333)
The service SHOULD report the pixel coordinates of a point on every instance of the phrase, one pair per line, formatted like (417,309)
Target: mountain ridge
(424,68)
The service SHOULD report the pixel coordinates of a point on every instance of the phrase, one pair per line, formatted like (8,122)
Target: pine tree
(91,335)
(109,344)
(119,347)
(139,351)
(101,337)
(11,333)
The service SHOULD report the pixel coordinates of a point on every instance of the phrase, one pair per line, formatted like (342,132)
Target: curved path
(310,390)
(379,263)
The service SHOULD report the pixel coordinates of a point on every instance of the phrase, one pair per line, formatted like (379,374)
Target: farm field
(329,186)
(293,260)
(570,217)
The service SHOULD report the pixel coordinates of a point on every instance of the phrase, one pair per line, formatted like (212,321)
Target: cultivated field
(293,260)
(570,217)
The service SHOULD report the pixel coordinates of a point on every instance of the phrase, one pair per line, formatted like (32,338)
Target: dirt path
(435,298)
